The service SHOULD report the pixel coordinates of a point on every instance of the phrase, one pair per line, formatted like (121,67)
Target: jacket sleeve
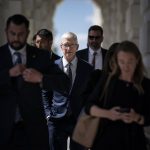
(46,104)
(56,80)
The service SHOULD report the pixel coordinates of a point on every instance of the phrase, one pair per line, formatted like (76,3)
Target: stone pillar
(132,21)
(145,33)
(40,14)
(110,22)
(103,5)
(8,8)
(2,37)
(121,9)
(114,19)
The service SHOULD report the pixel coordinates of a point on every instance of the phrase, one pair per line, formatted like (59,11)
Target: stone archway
(122,19)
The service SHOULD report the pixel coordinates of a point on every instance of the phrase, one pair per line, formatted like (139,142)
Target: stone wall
(127,20)
(122,20)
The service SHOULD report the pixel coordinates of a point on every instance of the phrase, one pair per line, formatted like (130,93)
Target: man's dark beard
(20,45)
(95,46)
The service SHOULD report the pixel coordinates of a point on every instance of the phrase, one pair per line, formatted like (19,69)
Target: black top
(117,134)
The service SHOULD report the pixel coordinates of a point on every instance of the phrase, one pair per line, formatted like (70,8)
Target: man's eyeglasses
(70,46)
(94,37)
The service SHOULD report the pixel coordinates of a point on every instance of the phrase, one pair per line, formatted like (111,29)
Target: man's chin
(95,48)
(17,47)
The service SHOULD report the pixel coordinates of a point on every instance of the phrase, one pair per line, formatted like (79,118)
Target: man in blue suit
(63,110)
(94,53)
(24,70)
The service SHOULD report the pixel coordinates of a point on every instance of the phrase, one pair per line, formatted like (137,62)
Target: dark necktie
(18,58)
(69,72)
(94,57)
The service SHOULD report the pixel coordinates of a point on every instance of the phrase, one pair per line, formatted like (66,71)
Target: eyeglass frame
(94,37)
(70,46)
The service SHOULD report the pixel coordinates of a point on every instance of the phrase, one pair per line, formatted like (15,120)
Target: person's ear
(102,38)
(50,42)
(77,46)
(28,31)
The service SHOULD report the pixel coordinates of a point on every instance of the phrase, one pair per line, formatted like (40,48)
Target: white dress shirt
(21,51)
(73,67)
(98,58)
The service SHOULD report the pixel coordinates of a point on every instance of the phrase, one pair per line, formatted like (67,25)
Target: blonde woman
(125,106)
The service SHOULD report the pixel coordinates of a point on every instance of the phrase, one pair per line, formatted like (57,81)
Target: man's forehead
(38,37)
(13,25)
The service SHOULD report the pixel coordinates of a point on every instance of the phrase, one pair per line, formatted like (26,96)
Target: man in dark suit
(64,110)
(23,71)
(44,39)
(94,53)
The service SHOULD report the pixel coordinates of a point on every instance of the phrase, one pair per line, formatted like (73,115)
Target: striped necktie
(18,59)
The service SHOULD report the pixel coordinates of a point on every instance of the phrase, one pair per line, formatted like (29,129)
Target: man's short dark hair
(44,33)
(18,19)
(96,28)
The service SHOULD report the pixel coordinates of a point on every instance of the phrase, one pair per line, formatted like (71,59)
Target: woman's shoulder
(96,73)
(146,82)
(146,79)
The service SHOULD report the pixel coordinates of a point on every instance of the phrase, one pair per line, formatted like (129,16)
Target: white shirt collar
(65,62)
(91,51)
(22,50)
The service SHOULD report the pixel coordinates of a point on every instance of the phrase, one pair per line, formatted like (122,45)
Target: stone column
(2,37)
(120,27)
(114,20)
(40,14)
(133,20)
(8,8)
(145,33)
(103,5)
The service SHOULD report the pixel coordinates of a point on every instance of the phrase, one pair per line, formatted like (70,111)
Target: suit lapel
(60,63)
(103,55)
(86,54)
(79,75)
(7,56)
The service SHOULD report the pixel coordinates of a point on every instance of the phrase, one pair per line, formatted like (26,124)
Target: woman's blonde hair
(130,47)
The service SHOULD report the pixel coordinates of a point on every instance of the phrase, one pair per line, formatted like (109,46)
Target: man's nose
(16,37)
(126,66)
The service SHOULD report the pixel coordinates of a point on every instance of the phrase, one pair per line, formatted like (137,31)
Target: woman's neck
(126,77)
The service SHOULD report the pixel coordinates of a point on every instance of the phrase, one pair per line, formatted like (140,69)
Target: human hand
(17,70)
(114,114)
(130,117)
(32,75)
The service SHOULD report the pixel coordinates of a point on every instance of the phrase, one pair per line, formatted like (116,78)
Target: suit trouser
(59,132)
(18,139)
